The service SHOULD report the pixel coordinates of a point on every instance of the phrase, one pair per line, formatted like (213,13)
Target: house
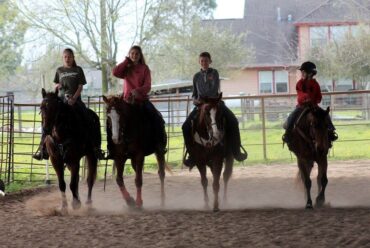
(282,32)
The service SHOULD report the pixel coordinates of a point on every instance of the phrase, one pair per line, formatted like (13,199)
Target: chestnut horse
(131,136)
(310,144)
(67,143)
(211,147)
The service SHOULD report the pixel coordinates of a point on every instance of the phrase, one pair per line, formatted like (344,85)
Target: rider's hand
(58,86)
(71,101)
(134,94)
(196,102)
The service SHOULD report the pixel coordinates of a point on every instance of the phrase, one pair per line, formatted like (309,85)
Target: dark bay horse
(66,143)
(131,136)
(310,144)
(211,147)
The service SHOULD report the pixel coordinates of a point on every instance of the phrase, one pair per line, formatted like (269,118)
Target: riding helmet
(308,67)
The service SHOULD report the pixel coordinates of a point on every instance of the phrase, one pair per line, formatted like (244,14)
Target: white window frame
(260,82)
(277,81)
(315,30)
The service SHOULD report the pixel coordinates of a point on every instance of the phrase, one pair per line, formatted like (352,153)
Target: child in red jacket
(308,91)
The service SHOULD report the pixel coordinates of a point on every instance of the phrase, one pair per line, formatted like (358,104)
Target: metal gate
(7,139)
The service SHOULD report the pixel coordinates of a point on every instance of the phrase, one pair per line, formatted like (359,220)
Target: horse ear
(220,96)
(105,99)
(43,92)
(328,109)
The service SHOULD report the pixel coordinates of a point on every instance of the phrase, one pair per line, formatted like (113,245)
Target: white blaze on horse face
(216,133)
(114,117)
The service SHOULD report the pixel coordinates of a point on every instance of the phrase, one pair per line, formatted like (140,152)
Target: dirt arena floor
(265,209)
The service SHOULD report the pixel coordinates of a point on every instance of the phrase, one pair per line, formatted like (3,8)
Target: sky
(229,9)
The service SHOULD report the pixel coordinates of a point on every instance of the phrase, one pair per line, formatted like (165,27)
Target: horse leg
(92,164)
(203,179)
(75,177)
(227,174)
(216,169)
(161,172)
(138,163)
(322,181)
(120,165)
(305,169)
(58,165)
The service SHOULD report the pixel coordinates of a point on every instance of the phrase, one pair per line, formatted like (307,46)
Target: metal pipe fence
(260,119)
(7,139)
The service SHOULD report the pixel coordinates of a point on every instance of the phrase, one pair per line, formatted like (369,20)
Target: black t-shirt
(70,79)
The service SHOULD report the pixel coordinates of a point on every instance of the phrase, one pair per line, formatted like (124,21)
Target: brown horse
(211,148)
(132,139)
(310,144)
(66,143)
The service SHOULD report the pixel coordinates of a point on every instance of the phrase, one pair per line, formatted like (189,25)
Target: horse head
(118,112)
(316,126)
(49,108)
(209,119)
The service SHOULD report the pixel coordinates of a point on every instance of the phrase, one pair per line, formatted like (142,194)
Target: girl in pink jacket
(136,87)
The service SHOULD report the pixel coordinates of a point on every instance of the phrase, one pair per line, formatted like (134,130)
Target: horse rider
(206,83)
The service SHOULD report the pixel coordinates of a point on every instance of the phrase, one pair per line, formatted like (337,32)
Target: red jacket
(308,90)
(138,79)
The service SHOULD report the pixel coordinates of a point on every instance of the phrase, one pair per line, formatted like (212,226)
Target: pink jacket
(138,79)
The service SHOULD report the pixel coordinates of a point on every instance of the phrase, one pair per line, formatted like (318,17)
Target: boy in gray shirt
(206,83)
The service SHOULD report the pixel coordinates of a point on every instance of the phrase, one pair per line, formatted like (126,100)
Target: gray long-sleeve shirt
(206,84)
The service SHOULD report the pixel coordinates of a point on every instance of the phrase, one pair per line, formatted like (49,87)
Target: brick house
(281,32)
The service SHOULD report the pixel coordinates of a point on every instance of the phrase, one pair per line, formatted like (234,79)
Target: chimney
(278,14)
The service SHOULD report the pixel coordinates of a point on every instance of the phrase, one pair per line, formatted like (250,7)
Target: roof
(275,39)
(337,11)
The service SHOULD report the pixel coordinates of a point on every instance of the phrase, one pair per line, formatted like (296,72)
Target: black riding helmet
(308,67)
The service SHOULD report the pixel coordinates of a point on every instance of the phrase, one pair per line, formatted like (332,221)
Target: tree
(348,58)
(78,24)
(12,30)
(179,36)
(177,56)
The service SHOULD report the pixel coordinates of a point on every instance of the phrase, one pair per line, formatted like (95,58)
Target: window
(339,33)
(265,81)
(281,81)
(318,36)
(273,82)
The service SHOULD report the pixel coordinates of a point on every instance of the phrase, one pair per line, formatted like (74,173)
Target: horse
(66,143)
(211,148)
(131,136)
(310,144)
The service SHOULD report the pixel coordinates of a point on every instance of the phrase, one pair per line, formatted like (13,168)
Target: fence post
(263,128)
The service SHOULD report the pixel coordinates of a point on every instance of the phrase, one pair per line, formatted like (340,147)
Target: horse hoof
(61,211)
(76,204)
(320,203)
(309,206)
(88,203)
(131,202)
(215,210)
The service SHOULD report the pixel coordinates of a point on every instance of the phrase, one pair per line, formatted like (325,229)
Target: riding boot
(287,136)
(233,136)
(41,152)
(236,146)
(189,161)
(161,140)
